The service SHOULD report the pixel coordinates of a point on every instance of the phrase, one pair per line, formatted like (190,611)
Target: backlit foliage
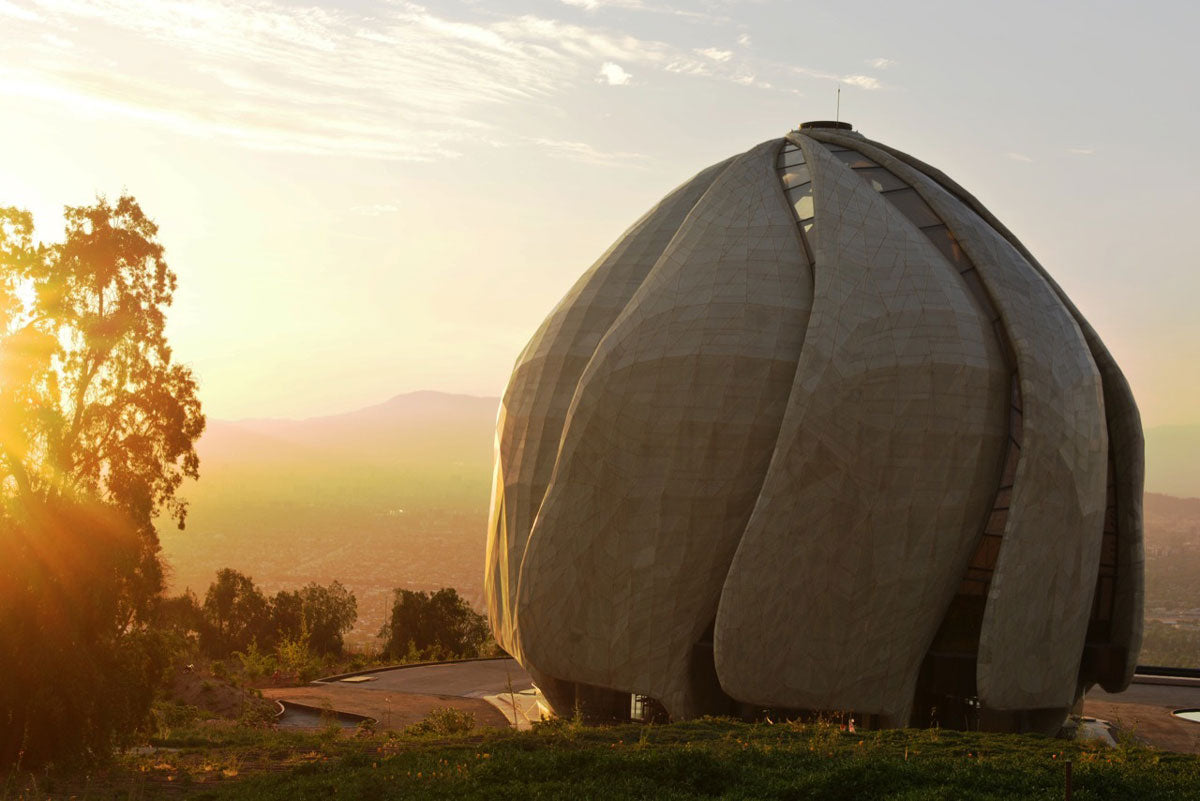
(97,427)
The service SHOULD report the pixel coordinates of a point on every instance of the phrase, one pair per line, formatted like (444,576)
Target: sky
(370,197)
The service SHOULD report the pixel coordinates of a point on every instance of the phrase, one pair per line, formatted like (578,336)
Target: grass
(710,758)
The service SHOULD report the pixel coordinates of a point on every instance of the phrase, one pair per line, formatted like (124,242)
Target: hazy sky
(370,197)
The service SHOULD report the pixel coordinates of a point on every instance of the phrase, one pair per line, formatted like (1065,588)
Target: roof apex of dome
(836,125)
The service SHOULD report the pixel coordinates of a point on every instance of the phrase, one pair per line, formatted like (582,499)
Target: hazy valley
(396,495)
(393,495)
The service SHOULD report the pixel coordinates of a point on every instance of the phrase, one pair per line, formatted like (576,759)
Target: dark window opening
(644,709)
(705,687)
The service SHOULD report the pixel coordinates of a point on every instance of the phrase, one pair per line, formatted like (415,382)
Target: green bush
(256,664)
(169,715)
(431,626)
(444,720)
(296,660)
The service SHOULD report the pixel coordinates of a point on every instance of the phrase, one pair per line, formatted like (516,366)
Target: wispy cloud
(1021,157)
(716,54)
(744,39)
(613,74)
(384,79)
(405,84)
(638,5)
(581,151)
(881,63)
(14,11)
(750,79)
(1082,151)
(860,81)
(592,5)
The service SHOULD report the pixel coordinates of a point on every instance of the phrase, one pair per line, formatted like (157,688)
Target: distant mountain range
(444,442)
(418,450)
(396,494)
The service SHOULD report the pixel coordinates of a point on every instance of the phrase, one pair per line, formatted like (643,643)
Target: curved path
(1144,710)
(398,697)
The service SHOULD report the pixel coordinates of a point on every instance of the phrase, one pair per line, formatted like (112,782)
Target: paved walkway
(1145,710)
(402,696)
(468,679)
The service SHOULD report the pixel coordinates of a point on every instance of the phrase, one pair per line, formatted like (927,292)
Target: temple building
(818,434)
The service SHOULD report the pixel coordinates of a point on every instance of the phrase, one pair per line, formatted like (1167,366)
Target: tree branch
(20,474)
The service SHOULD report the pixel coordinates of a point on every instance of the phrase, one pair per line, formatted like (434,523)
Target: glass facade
(797,186)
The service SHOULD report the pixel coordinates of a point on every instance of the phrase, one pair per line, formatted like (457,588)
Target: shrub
(295,660)
(433,625)
(444,720)
(255,663)
(168,715)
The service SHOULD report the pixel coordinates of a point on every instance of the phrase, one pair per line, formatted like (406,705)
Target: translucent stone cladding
(818,433)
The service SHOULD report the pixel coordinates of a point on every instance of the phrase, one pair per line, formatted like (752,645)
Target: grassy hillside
(709,758)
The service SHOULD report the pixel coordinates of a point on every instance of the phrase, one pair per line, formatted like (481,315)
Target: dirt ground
(217,697)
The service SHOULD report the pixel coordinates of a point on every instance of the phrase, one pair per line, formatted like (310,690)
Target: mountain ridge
(390,403)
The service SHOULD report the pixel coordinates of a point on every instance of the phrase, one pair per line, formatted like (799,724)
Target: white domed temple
(818,434)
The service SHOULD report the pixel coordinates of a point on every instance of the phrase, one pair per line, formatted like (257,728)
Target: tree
(329,612)
(95,405)
(236,614)
(182,619)
(287,616)
(97,432)
(438,624)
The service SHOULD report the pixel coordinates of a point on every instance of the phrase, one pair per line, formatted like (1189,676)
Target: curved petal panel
(1040,599)
(887,461)
(535,403)
(665,446)
(1126,450)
